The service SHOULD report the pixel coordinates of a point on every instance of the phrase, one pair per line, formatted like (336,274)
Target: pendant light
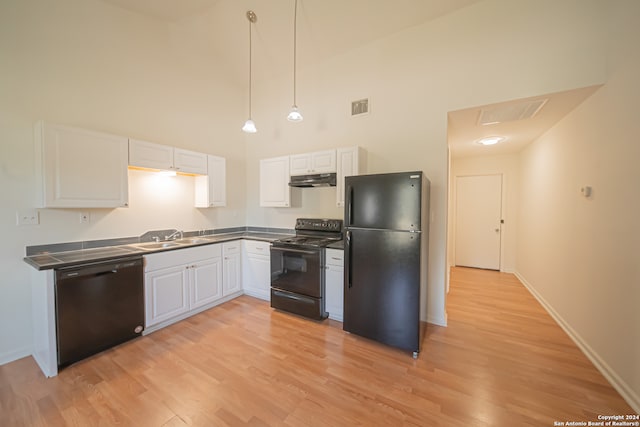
(249,125)
(294,113)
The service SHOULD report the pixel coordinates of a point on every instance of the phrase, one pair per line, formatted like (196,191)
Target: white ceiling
(464,129)
(328,28)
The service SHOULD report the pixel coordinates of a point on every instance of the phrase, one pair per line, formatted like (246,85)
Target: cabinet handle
(336,258)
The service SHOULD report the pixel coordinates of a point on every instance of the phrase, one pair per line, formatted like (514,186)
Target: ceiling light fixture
(490,140)
(294,114)
(249,125)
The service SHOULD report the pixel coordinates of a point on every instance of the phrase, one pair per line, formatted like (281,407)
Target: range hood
(314,180)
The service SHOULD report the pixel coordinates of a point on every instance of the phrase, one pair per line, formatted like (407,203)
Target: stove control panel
(334,225)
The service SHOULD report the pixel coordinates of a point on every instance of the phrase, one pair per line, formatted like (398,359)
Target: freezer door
(387,201)
(382,287)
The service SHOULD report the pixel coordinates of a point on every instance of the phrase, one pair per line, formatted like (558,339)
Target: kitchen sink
(157,245)
(192,241)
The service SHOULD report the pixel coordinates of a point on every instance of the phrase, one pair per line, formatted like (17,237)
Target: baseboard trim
(618,383)
(13,355)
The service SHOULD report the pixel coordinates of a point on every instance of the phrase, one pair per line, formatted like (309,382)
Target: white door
(206,277)
(478,216)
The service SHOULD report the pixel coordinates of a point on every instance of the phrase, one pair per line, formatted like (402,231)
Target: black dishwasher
(98,306)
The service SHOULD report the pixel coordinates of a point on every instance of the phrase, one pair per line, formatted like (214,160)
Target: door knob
(497,230)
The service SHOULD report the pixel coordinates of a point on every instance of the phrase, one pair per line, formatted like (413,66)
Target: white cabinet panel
(206,280)
(256,269)
(186,161)
(274,182)
(146,154)
(334,284)
(351,161)
(211,189)
(77,168)
(317,162)
(166,294)
(232,268)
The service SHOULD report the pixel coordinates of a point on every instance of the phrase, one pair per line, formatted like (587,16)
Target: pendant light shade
(249,125)
(294,114)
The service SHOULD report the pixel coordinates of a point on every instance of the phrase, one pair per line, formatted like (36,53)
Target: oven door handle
(300,251)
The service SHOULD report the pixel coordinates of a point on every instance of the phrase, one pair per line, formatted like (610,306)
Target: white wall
(580,255)
(507,166)
(88,64)
(489,52)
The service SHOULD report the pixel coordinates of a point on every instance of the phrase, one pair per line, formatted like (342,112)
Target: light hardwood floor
(501,362)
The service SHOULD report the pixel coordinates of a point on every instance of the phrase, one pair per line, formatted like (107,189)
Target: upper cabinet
(77,168)
(156,156)
(211,189)
(318,162)
(351,161)
(274,182)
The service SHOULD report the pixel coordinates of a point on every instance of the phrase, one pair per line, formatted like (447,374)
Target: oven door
(297,270)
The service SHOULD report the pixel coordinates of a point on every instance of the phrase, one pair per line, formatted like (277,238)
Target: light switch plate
(27,217)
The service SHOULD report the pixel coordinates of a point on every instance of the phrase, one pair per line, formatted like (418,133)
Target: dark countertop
(337,245)
(53,260)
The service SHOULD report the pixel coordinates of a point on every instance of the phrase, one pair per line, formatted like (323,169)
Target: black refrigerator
(386,253)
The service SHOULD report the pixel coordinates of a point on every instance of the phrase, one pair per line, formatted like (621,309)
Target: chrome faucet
(173,235)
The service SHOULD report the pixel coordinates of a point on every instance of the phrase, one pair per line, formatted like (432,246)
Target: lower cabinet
(184,282)
(334,283)
(231,268)
(256,269)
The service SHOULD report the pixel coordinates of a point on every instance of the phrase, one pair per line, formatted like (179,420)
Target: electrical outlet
(84,217)
(28,217)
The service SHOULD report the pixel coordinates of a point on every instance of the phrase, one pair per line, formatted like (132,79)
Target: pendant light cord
(250,68)
(295,27)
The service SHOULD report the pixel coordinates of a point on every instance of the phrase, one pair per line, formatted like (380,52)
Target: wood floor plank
(501,361)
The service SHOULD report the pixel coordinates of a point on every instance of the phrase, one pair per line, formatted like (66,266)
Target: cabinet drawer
(334,257)
(229,248)
(257,248)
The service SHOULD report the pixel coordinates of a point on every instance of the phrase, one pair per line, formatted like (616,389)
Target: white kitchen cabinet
(146,154)
(274,182)
(311,163)
(181,283)
(232,268)
(77,168)
(211,189)
(334,283)
(351,161)
(256,269)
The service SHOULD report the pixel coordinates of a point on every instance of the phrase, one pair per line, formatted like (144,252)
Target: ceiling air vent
(511,112)
(359,107)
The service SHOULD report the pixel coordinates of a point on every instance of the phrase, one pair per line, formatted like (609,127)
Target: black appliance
(98,306)
(314,180)
(386,243)
(298,267)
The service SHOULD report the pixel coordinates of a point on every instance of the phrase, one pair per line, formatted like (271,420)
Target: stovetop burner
(314,233)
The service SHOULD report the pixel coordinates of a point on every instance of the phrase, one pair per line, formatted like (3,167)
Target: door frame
(454,207)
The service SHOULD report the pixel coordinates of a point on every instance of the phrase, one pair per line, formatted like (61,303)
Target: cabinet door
(211,189)
(256,276)
(274,182)
(166,294)
(323,161)
(186,161)
(146,154)
(351,161)
(334,282)
(300,164)
(77,168)
(206,281)
(232,274)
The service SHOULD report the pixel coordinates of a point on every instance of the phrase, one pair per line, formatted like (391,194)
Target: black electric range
(298,267)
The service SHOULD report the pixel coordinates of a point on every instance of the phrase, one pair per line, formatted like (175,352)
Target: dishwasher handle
(97,268)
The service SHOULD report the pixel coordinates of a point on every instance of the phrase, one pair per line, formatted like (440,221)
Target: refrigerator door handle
(348,261)
(350,206)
